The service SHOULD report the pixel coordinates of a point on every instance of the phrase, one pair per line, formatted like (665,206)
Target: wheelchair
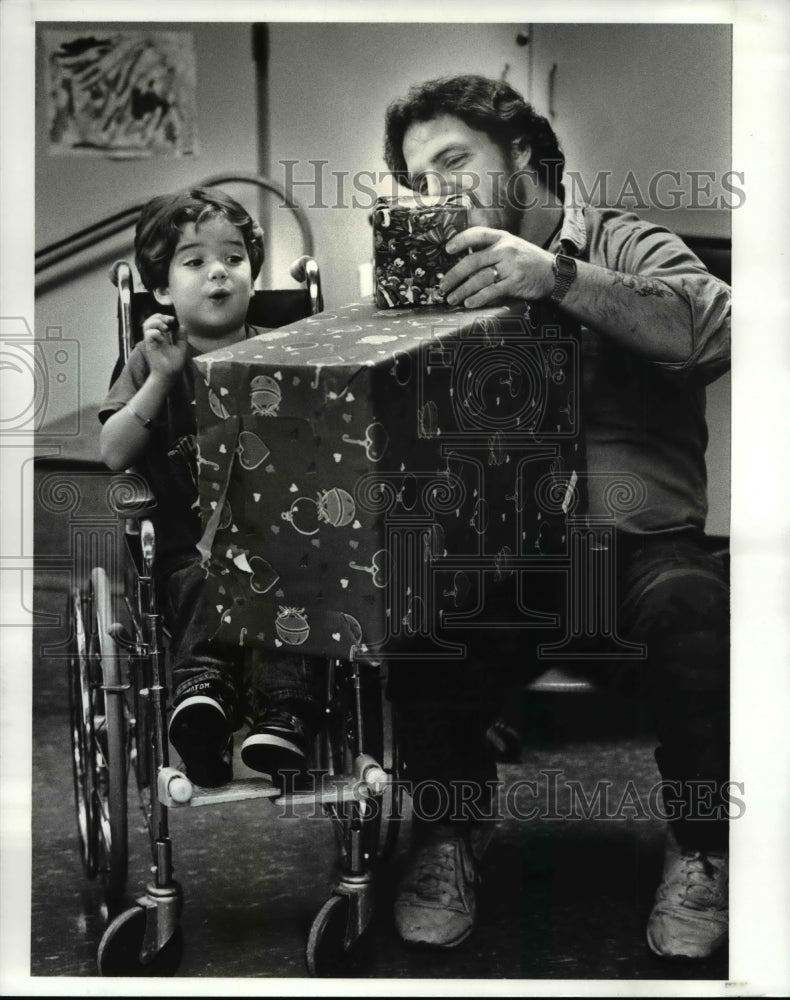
(118,697)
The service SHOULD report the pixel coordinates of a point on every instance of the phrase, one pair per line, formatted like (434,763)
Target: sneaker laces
(700,884)
(433,874)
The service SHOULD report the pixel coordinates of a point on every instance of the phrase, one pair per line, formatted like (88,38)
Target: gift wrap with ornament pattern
(366,476)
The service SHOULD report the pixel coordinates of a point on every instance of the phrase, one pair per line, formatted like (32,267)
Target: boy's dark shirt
(169,462)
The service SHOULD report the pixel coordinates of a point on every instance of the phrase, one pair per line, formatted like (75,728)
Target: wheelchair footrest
(234,791)
(326,790)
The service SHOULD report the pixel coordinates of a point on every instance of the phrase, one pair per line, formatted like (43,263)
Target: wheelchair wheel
(110,749)
(120,946)
(326,945)
(82,739)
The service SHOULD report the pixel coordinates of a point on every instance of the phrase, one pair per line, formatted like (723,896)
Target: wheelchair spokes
(109,743)
(118,715)
(118,728)
(82,740)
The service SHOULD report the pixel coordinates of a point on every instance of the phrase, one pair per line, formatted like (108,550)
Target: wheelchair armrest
(306,269)
(130,496)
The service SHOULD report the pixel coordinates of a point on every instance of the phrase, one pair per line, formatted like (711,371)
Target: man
(655,330)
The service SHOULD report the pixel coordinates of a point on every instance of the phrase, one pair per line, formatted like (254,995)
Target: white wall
(640,98)
(329,87)
(73,191)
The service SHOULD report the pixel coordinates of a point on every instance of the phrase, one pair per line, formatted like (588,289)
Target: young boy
(199,253)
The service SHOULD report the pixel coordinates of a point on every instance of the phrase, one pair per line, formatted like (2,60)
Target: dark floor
(560,898)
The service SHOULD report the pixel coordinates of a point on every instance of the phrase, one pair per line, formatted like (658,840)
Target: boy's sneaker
(201,732)
(278,741)
(436,904)
(690,915)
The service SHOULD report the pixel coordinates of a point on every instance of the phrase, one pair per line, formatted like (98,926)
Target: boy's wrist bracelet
(148,424)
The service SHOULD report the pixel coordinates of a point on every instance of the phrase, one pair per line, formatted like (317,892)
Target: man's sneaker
(436,903)
(201,732)
(690,915)
(278,742)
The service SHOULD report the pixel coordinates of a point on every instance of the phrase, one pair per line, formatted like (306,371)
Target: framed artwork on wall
(121,93)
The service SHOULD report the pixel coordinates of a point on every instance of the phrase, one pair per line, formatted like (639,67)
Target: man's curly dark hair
(489,106)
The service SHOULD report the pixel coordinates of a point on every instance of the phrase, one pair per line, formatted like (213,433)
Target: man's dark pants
(672,595)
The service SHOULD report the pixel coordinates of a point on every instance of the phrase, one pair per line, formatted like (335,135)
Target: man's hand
(501,266)
(165,346)
(648,315)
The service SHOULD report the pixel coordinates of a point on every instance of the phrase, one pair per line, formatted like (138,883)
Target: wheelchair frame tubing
(157,709)
(358,866)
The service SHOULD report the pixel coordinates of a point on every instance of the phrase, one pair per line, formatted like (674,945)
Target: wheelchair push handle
(121,277)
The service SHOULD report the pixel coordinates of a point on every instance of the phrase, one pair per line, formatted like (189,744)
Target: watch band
(564,274)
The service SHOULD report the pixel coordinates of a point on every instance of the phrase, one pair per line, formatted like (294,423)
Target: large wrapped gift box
(409,259)
(366,476)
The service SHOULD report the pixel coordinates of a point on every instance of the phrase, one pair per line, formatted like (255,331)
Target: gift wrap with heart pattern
(366,476)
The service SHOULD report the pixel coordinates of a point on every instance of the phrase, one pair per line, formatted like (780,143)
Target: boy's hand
(165,346)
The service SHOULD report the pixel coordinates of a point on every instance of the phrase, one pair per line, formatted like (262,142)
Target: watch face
(565,272)
(566,266)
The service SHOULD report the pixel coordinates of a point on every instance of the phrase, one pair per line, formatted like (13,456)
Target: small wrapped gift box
(409,259)
(365,476)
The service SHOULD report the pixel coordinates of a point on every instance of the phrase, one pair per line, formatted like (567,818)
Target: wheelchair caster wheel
(326,945)
(119,950)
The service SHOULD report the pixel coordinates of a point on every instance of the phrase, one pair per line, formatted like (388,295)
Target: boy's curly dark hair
(162,222)
(489,106)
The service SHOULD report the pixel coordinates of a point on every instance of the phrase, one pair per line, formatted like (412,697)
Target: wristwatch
(564,272)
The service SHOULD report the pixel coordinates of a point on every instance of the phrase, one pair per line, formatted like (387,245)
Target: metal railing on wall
(111,225)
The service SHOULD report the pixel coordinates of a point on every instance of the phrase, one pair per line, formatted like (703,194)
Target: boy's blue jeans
(251,682)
